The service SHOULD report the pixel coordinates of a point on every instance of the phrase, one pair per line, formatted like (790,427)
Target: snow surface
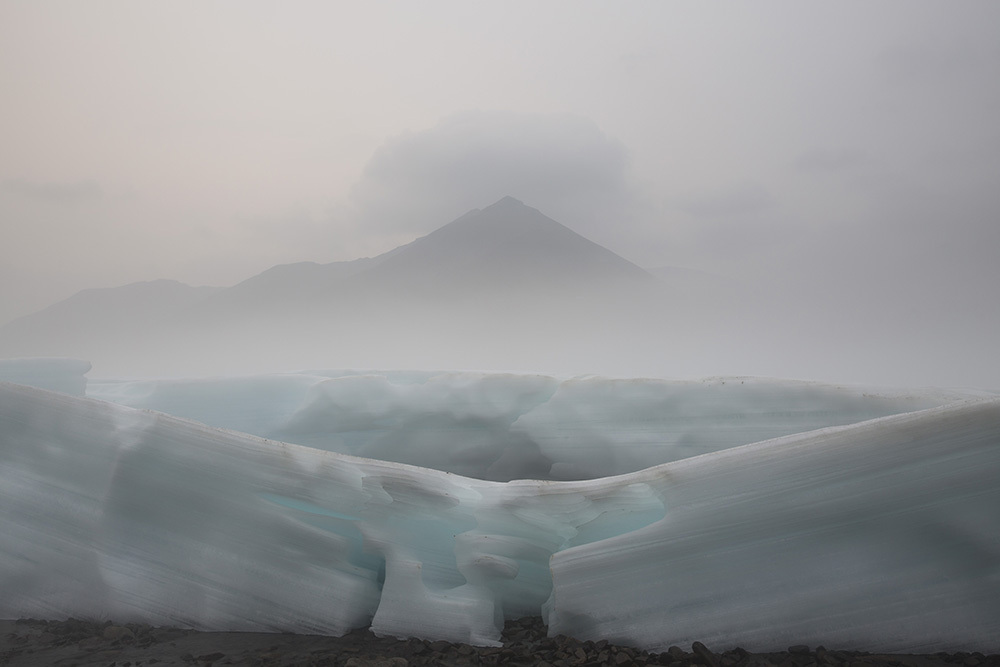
(881,535)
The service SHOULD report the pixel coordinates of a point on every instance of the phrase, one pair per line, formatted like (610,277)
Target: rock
(377,662)
(706,656)
(118,633)
(677,653)
(799,649)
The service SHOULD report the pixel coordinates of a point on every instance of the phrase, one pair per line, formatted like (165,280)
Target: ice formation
(66,375)
(881,535)
(502,427)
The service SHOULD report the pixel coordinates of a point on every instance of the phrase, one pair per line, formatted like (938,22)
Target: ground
(30,642)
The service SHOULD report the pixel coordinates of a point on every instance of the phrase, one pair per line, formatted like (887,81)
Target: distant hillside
(494,284)
(91,314)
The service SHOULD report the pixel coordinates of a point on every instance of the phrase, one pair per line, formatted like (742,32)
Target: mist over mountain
(126,311)
(507,246)
(500,288)
(505,288)
(507,250)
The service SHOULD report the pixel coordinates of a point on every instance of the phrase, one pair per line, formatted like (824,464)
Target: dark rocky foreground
(76,642)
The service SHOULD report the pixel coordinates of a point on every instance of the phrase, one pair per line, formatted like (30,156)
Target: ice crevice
(880,534)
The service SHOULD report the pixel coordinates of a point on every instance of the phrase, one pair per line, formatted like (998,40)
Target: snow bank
(882,535)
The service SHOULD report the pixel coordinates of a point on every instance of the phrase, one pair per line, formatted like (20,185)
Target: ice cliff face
(879,535)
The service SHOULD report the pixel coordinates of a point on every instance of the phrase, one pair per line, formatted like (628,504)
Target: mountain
(477,292)
(507,244)
(507,250)
(91,314)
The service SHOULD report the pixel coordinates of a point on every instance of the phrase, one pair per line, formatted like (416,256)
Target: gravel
(80,642)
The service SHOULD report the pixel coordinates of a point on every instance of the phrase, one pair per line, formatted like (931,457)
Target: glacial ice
(57,374)
(503,426)
(877,533)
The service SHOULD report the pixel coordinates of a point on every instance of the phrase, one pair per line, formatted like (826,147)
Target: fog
(821,180)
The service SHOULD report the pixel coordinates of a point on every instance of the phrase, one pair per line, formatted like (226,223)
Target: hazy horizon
(837,161)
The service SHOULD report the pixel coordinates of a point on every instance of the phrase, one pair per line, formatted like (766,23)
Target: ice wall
(882,535)
(502,427)
(53,373)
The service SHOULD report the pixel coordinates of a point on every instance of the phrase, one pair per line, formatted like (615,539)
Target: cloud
(734,201)
(942,65)
(52,192)
(823,160)
(563,165)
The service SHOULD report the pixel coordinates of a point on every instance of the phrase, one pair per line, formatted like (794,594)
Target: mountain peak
(507,201)
(507,245)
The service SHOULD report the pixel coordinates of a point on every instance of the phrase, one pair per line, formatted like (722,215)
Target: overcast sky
(855,143)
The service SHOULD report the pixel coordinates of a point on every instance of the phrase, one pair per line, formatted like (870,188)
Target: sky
(844,154)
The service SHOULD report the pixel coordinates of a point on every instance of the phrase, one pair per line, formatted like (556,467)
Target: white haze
(826,175)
